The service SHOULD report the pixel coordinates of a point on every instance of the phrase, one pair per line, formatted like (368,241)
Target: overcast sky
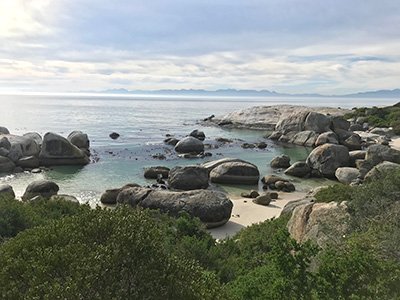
(295,46)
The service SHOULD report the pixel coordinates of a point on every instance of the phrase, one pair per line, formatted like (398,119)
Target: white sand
(245,213)
(395,143)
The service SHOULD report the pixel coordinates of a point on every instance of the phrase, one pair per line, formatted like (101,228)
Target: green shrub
(100,254)
(336,192)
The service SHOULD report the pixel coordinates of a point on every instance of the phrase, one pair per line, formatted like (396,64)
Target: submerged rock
(114,135)
(155,172)
(282,161)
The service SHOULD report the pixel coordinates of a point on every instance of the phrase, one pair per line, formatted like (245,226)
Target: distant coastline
(247,93)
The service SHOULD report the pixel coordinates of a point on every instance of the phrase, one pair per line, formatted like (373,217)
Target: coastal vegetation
(388,116)
(59,249)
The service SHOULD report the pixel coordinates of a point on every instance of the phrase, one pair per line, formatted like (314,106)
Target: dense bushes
(100,254)
(388,116)
(131,254)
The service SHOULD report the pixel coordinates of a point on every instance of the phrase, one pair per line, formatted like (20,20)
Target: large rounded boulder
(235,173)
(211,207)
(381,170)
(42,188)
(79,139)
(380,153)
(188,178)
(317,122)
(189,145)
(327,158)
(282,161)
(27,144)
(347,175)
(57,150)
(299,169)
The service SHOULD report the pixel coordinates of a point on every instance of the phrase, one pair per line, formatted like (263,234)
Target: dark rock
(30,162)
(264,200)
(215,163)
(114,135)
(327,138)
(188,178)
(299,169)
(208,118)
(272,179)
(68,198)
(317,122)
(235,173)
(380,153)
(327,158)
(6,165)
(4,130)
(155,172)
(224,140)
(5,143)
(211,207)
(132,195)
(248,146)
(42,188)
(356,127)
(261,145)
(275,135)
(251,194)
(304,138)
(353,142)
(198,135)
(171,141)
(57,150)
(339,123)
(272,195)
(189,145)
(282,161)
(6,191)
(79,139)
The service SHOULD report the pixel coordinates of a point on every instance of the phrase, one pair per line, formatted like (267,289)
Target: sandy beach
(245,213)
(395,143)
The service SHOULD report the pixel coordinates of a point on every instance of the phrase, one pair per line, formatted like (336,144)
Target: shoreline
(246,213)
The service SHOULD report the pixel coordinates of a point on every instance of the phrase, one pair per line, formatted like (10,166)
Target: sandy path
(245,213)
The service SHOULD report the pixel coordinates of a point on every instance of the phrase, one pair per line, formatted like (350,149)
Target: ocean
(142,122)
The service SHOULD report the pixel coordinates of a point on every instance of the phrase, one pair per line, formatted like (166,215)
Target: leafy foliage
(338,193)
(100,254)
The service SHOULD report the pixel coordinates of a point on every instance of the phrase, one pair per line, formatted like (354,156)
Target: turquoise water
(143,123)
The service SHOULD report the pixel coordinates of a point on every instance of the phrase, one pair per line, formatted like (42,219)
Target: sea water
(143,123)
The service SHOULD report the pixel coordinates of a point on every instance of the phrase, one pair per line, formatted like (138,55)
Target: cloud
(286,45)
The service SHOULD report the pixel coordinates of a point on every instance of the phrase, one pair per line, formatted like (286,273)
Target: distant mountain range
(252,93)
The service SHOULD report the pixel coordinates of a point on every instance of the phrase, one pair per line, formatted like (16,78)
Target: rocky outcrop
(381,170)
(299,169)
(267,117)
(321,223)
(42,188)
(327,158)
(188,178)
(57,150)
(347,175)
(235,173)
(189,145)
(211,207)
(6,191)
(304,138)
(282,161)
(155,172)
(34,136)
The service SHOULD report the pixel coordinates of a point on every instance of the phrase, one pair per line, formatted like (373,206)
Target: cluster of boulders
(337,162)
(30,151)
(40,189)
(191,146)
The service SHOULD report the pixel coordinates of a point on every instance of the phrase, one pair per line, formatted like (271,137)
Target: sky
(288,46)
